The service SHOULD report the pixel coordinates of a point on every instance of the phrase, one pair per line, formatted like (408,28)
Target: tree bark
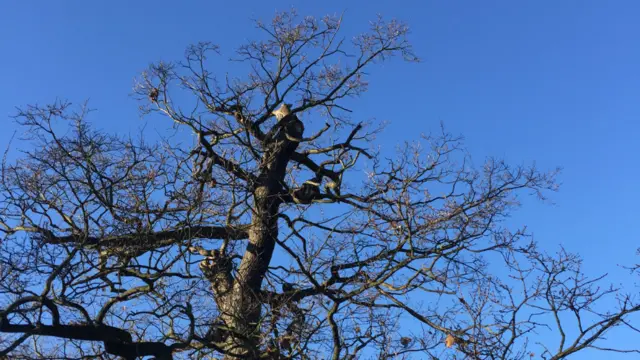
(241,309)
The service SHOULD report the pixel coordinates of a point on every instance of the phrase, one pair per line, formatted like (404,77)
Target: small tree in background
(273,236)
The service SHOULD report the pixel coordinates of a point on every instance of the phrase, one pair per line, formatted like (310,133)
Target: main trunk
(241,309)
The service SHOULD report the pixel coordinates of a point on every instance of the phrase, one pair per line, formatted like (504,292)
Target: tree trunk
(241,309)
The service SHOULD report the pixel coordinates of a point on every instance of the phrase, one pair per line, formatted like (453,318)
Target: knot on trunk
(216,267)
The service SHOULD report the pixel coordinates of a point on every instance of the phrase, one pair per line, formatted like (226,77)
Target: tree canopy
(278,230)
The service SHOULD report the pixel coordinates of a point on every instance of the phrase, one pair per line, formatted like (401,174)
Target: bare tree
(272,236)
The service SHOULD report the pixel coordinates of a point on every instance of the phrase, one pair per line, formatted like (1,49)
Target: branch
(152,240)
(224,163)
(303,159)
(117,341)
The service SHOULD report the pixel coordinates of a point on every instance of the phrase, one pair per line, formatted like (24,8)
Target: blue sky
(556,82)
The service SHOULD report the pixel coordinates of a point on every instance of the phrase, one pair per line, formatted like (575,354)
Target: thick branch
(150,240)
(76,332)
(224,163)
(117,341)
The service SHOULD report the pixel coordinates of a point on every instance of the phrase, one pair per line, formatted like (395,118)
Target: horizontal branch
(76,332)
(311,165)
(150,240)
(117,341)
(342,146)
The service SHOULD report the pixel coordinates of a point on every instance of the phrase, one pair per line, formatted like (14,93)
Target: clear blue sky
(557,82)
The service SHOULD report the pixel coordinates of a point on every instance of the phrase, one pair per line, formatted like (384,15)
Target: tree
(273,237)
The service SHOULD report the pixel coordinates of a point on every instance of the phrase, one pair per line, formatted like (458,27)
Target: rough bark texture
(241,307)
